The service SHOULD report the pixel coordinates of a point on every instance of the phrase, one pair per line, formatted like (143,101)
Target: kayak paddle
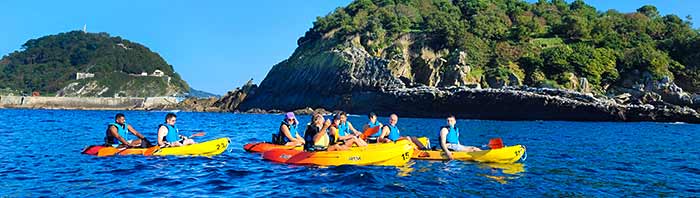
(369,132)
(200,134)
(109,151)
(149,151)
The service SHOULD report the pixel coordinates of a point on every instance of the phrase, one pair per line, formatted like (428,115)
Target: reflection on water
(46,160)
(405,170)
(502,173)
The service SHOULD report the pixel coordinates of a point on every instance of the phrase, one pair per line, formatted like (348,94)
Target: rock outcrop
(233,98)
(353,80)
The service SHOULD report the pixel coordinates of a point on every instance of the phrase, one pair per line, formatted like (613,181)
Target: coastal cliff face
(426,69)
(353,81)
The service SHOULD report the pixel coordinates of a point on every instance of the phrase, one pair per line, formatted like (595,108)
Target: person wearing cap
(288,131)
(373,122)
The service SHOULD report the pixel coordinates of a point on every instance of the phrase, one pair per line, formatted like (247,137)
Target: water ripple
(580,159)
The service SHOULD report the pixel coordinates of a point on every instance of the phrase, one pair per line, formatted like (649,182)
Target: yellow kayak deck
(509,154)
(208,148)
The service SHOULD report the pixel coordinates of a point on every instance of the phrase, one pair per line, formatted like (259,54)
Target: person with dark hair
(288,131)
(347,131)
(449,138)
(169,135)
(347,140)
(373,122)
(118,131)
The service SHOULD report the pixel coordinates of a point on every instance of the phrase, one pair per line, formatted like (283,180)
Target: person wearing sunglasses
(288,131)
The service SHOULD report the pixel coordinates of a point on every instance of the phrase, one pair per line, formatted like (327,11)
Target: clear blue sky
(214,45)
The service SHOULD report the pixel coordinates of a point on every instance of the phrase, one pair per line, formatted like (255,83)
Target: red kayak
(259,147)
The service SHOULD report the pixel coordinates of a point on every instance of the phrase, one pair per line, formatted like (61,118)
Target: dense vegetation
(49,63)
(544,43)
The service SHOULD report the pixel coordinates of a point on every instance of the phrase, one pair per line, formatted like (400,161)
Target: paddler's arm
(322,131)
(443,142)
(133,131)
(113,131)
(357,133)
(286,133)
(162,132)
(382,135)
(300,139)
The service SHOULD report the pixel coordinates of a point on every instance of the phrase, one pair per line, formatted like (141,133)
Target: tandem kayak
(208,148)
(509,154)
(388,154)
(259,147)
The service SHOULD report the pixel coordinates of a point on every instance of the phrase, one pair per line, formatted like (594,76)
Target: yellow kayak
(509,154)
(389,154)
(208,148)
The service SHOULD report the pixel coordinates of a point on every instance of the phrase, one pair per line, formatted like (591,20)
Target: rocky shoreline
(508,103)
(473,103)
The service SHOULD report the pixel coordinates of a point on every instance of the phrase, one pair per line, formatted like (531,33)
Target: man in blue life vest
(288,131)
(118,131)
(373,122)
(347,131)
(390,132)
(169,135)
(449,138)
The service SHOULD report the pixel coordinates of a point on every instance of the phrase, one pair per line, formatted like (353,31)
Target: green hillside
(50,63)
(544,44)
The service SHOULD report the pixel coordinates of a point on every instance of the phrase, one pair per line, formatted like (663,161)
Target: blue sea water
(41,157)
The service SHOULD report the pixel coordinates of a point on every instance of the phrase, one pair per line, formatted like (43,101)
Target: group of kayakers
(168,135)
(334,134)
(339,134)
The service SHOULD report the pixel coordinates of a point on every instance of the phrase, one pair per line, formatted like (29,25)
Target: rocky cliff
(357,60)
(353,81)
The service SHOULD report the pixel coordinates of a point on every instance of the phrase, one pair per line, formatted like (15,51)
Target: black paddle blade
(145,143)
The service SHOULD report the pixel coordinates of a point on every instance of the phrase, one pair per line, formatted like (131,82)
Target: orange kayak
(389,154)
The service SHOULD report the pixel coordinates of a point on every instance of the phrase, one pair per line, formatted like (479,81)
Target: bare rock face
(233,98)
(199,105)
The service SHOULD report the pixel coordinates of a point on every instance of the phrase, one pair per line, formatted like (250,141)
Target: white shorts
(459,147)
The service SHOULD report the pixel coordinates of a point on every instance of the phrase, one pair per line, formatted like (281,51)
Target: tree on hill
(552,42)
(48,63)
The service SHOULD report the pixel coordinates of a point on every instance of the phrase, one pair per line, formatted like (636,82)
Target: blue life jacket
(292,131)
(393,133)
(372,125)
(121,130)
(173,133)
(452,135)
(343,129)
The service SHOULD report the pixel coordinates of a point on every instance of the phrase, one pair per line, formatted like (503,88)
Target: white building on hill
(158,73)
(83,75)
